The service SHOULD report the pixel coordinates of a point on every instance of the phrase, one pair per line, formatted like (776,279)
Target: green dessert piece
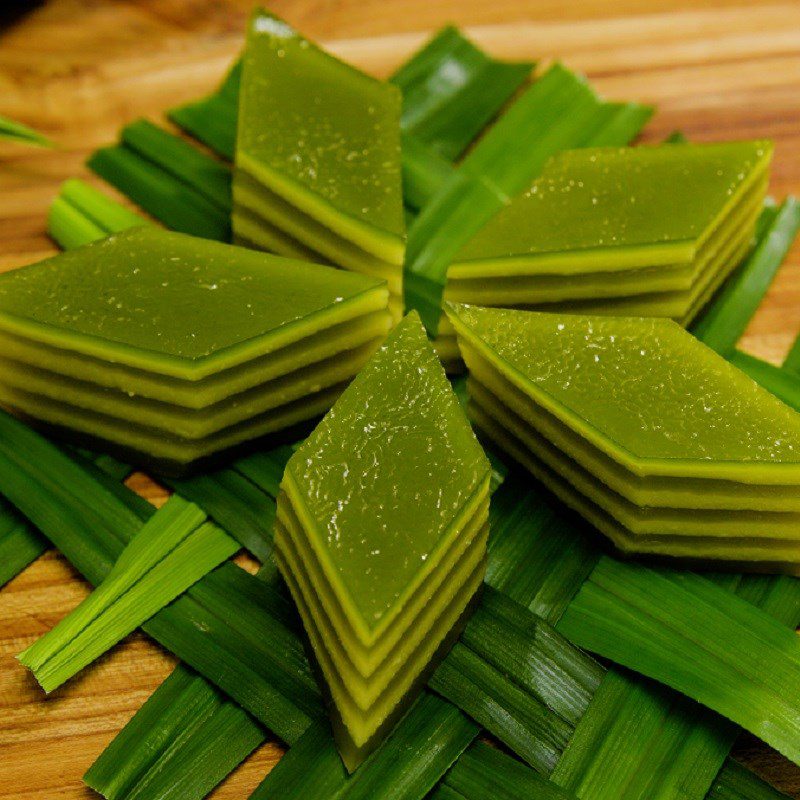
(648,491)
(317,155)
(161,450)
(198,394)
(369,672)
(675,450)
(599,232)
(381,534)
(172,347)
(763,555)
(637,207)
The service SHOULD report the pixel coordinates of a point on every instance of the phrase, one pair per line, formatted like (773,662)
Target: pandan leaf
(484,771)
(20,544)
(81,214)
(406,766)
(559,111)
(236,504)
(452,90)
(17,132)
(207,176)
(180,744)
(172,201)
(792,362)
(698,638)
(540,553)
(173,550)
(724,322)
(737,783)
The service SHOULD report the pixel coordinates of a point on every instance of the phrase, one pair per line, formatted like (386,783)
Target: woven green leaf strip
(691,634)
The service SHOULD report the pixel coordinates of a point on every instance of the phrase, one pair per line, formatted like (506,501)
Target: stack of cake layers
(642,231)
(381,535)
(172,348)
(317,169)
(654,438)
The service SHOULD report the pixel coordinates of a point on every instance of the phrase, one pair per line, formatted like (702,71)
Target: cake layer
(381,484)
(176,420)
(260,204)
(679,306)
(766,555)
(144,445)
(367,652)
(639,520)
(655,491)
(323,136)
(362,725)
(536,288)
(412,653)
(366,660)
(251,230)
(215,388)
(606,204)
(175,305)
(643,391)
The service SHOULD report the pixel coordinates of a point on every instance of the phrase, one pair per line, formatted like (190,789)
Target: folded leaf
(737,783)
(792,361)
(207,176)
(230,499)
(559,111)
(81,214)
(452,89)
(173,201)
(483,771)
(173,550)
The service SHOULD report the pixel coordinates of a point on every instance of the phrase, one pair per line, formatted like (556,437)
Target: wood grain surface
(79,69)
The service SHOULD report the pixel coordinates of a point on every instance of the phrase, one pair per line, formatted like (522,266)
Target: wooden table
(79,69)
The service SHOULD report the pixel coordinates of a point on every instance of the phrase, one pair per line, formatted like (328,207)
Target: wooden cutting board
(79,69)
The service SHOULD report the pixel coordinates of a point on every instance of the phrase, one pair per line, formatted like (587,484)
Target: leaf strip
(724,322)
(173,550)
(180,744)
(698,638)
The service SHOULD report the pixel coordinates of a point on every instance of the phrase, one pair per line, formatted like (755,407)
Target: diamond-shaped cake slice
(597,234)
(382,505)
(173,304)
(747,554)
(366,687)
(318,148)
(181,318)
(643,490)
(366,320)
(178,420)
(606,209)
(642,521)
(643,391)
(604,285)
(367,658)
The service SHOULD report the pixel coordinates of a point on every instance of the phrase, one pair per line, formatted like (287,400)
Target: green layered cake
(171,348)
(656,439)
(381,535)
(644,231)
(318,173)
